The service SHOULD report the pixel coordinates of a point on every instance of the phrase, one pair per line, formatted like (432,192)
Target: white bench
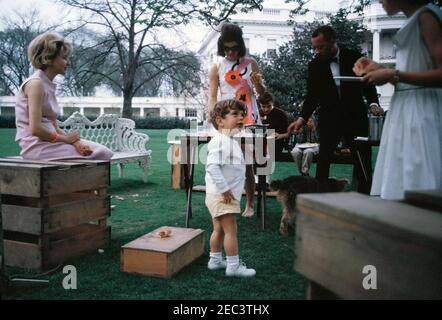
(118,134)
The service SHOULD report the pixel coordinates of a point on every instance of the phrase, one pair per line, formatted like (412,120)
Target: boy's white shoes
(215,264)
(240,270)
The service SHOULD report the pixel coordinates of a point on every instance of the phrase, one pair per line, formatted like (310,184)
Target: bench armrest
(128,140)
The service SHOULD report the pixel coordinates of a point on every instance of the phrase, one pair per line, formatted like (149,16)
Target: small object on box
(164,233)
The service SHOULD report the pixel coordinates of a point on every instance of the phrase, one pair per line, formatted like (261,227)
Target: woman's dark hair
(328,32)
(231,32)
(223,107)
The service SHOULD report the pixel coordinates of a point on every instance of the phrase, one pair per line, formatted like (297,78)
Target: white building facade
(183,107)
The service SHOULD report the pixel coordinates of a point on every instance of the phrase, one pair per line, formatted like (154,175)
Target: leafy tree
(132,25)
(286,73)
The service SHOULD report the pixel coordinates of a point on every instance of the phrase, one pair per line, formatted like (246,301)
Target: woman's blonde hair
(46,47)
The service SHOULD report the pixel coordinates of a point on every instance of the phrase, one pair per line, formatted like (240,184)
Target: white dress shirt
(334,66)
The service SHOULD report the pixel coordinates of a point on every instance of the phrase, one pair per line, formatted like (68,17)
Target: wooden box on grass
(162,257)
(53,211)
(340,234)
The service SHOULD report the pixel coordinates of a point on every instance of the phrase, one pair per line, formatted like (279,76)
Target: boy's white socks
(232,261)
(237,269)
(216,261)
(216,255)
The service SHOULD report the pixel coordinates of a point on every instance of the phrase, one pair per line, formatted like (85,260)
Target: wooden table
(189,145)
(340,234)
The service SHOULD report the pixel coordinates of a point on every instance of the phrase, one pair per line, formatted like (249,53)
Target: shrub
(161,123)
(8,121)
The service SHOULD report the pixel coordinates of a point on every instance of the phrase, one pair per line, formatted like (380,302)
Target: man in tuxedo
(342,110)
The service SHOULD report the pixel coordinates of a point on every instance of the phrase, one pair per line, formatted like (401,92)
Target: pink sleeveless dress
(235,83)
(32,147)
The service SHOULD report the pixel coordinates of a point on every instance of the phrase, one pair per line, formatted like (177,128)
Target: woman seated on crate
(36,108)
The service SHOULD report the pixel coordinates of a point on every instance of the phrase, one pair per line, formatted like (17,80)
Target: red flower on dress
(232,77)
(243,95)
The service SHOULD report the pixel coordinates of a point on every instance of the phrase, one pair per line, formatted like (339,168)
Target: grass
(157,204)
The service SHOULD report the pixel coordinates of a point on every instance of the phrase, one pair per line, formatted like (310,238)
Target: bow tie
(334,59)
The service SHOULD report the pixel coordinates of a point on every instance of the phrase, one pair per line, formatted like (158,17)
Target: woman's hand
(376,110)
(364,65)
(82,149)
(69,137)
(256,78)
(380,77)
(228,196)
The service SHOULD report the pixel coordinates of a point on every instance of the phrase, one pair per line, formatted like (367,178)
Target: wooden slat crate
(153,256)
(53,211)
(338,234)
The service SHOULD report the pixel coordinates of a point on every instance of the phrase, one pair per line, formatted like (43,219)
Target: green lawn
(99,275)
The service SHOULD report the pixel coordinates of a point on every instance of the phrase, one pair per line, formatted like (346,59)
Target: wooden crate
(53,211)
(338,234)
(153,256)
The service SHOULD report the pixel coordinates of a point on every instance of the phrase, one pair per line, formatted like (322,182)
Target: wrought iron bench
(118,134)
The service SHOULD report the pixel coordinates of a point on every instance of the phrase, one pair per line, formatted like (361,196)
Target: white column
(101,110)
(82,110)
(376,45)
(142,111)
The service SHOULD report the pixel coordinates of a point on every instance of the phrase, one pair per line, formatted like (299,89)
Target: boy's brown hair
(265,98)
(222,108)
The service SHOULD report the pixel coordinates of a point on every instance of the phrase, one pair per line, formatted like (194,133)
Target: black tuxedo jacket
(347,110)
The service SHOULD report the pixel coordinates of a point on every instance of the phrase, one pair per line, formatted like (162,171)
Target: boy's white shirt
(225,166)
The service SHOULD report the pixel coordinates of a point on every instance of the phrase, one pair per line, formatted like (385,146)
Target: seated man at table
(276,119)
(307,147)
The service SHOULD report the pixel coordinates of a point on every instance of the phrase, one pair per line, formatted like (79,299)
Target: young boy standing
(225,175)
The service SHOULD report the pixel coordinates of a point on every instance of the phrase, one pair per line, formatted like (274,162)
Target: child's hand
(228,197)
(82,149)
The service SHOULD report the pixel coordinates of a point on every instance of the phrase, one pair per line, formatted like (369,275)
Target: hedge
(150,122)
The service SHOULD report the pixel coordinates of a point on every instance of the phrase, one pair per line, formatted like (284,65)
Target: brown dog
(290,187)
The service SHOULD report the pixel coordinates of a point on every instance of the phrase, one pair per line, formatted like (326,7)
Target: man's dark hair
(266,97)
(231,32)
(328,32)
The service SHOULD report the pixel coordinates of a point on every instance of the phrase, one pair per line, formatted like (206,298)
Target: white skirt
(410,154)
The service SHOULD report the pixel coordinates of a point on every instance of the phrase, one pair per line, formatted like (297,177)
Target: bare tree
(132,25)
(18,32)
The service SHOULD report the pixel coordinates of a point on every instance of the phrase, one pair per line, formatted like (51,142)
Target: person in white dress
(237,76)
(410,153)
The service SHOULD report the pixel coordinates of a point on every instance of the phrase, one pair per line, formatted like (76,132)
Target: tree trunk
(127,105)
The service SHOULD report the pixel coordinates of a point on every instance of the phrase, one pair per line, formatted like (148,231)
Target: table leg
(262,186)
(188,179)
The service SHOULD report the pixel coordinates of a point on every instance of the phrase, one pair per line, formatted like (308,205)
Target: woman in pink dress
(36,108)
